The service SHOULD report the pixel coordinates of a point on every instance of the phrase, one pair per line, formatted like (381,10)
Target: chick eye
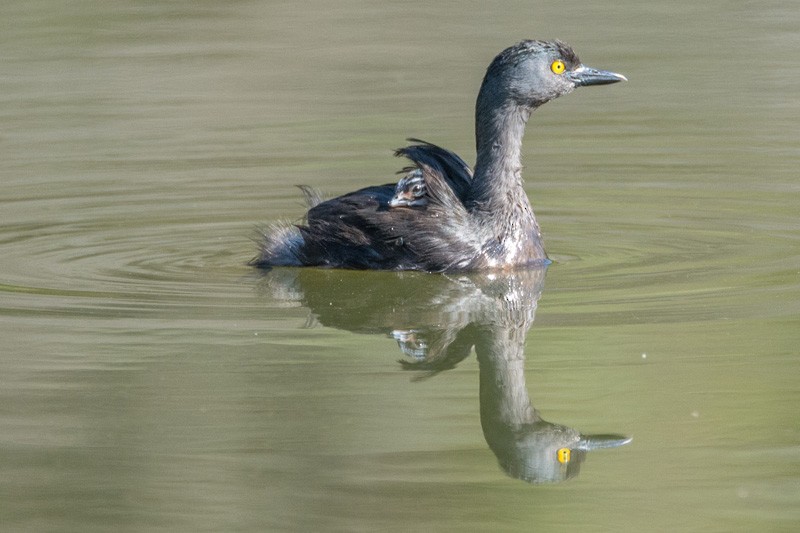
(416,189)
(558,66)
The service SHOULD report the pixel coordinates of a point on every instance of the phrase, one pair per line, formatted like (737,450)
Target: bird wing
(452,170)
(356,230)
(359,230)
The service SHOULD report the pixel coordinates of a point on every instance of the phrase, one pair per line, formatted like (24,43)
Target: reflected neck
(505,404)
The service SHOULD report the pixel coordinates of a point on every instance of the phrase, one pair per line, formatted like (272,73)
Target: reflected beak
(597,442)
(584,75)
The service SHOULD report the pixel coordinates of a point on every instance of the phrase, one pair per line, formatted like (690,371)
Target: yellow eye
(558,66)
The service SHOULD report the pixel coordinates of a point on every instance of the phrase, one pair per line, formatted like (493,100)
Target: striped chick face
(411,191)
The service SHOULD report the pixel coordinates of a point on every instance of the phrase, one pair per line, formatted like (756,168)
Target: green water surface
(151,381)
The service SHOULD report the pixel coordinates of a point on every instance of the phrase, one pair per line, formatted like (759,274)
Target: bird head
(531,73)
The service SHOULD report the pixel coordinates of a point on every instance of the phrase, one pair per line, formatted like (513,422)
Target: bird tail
(280,245)
(312,196)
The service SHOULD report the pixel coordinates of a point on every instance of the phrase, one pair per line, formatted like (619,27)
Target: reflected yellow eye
(564,453)
(558,66)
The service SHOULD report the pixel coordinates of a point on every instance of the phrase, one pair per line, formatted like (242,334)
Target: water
(151,381)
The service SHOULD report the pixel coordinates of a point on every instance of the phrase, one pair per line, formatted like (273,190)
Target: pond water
(152,381)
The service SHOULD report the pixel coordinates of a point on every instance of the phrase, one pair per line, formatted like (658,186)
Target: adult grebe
(469,221)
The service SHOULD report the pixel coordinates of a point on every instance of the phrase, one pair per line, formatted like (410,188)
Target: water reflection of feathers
(437,320)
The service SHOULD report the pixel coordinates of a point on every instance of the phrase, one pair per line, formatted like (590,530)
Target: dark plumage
(468,221)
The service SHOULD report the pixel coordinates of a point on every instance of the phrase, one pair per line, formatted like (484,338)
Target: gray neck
(498,201)
(499,128)
(505,404)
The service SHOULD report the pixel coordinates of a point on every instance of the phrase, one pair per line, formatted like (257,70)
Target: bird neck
(499,129)
(504,400)
(497,200)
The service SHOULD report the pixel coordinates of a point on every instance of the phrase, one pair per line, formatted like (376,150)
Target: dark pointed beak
(584,75)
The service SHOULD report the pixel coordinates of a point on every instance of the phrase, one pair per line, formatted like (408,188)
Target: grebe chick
(411,191)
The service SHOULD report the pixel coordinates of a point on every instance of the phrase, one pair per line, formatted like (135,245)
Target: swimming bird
(471,220)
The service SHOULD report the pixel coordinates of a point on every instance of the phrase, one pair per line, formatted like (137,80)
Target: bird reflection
(436,321)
